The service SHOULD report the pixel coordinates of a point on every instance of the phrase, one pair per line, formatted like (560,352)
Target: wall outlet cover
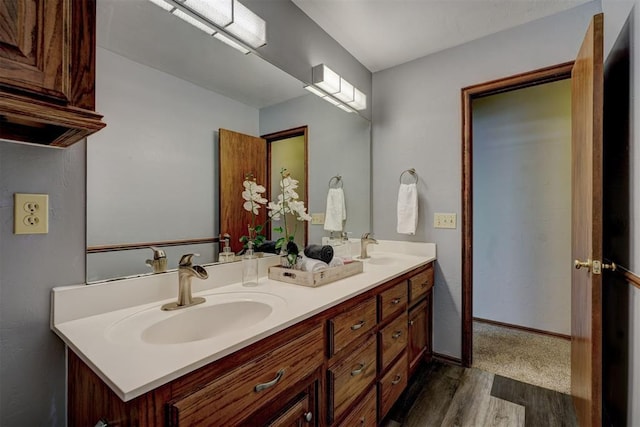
(317,218)
(444,220)
(30,213)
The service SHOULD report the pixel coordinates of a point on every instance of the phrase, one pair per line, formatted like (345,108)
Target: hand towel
(407,208)
(336,210)
(310,264)
(336,262)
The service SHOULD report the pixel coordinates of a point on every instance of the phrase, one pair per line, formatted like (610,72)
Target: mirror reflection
(166,89)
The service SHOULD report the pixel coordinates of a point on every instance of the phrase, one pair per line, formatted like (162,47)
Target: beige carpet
(536,359)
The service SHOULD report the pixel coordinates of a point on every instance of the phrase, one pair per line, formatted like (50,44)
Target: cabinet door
(299,413)
(34,56)
(418,330)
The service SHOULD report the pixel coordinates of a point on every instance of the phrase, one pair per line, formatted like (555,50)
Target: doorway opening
(288,150)
(497,200)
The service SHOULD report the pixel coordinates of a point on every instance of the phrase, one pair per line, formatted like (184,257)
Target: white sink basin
(221,314)
(381,258)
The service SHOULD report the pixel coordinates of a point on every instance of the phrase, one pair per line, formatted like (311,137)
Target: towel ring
(412,172)
(338,181)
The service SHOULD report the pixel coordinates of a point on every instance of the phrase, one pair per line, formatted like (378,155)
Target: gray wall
(522,207)
(616,13)
(339,144)
(32,367)
(416,123)
(32,359)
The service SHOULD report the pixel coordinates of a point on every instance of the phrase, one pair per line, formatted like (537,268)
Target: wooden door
(586,245)
(239,156)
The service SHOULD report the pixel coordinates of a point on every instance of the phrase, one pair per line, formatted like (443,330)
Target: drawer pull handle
(308,416)
(396,335)
(358,325)
(395,301)
(363,420)
(396,380)
(411,322)
(271,383)
(359,370)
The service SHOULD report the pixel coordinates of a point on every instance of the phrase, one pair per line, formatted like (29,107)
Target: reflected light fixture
(229,21)
(328,85)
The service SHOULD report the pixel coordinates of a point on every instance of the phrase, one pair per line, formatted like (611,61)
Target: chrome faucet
(365,241)
(186,271)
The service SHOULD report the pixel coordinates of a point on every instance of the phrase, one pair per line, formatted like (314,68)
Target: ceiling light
(326,79)
(346,91)
(330,100)
(247,26)
(359,100)
(345,108)
(193,21)
(315,91)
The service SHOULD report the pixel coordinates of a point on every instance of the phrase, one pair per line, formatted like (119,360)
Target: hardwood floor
(446,395)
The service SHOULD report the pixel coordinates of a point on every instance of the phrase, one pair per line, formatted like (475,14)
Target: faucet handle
(185,260)
(157,252)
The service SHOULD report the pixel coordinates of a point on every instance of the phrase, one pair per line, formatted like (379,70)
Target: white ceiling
(385,33)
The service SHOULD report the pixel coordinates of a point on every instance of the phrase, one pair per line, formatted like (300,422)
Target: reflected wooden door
(239,156)
(586,281)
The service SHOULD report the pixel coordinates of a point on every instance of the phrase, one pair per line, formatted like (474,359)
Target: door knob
(582,264)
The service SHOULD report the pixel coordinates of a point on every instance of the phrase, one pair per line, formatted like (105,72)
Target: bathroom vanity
(340,354)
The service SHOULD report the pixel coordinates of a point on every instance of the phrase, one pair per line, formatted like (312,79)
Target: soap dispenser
(249,267)
(226,255)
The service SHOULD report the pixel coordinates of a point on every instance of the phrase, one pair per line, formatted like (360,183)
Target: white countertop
(85,317)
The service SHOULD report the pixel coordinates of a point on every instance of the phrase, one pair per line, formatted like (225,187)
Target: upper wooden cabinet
(47,71)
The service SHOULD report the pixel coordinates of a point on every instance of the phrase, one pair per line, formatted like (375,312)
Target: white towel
(336,261)
(407,208)
(336,210)
(313,265)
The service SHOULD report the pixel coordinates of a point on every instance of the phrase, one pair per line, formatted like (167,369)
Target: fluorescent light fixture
(229,21)
(346,91)
(163,4)
(247,26)
(359,100)
(315,91)
(345,108)
(330,100)
(193,21)
(326,79)
(226,40)
(220,12)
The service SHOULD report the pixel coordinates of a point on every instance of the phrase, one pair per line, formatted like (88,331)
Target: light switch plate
(30,213)
(444,220)
(317,218)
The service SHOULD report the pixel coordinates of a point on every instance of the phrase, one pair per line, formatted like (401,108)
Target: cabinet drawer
(392,385)
(365,414)
(420,284)
(301,411)
(350,325)
(393,340)
(393,300)
(350,377)
(235,395)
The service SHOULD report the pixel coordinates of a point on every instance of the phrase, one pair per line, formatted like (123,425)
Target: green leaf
(279,242)
(259,228)
(243,239)
(278,230)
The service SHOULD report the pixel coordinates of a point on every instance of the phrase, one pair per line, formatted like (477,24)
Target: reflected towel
(336,262)
(407,208)
(313,265)
(336,210)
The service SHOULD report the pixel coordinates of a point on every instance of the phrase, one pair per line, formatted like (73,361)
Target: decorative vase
(249,267)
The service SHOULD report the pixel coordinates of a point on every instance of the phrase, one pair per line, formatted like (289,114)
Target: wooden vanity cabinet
(345,366)
(47,71)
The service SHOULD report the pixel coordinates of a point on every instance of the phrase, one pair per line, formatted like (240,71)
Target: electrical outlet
(317,218)
(30,213)
(444,220)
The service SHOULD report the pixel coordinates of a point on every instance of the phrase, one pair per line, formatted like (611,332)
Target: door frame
(519,81)
(286,134)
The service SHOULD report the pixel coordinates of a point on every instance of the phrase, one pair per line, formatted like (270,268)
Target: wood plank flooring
(446,395)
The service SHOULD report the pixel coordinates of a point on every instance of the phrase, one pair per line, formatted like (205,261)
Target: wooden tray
(317,278)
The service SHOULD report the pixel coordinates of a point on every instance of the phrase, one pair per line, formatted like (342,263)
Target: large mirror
(165,89)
